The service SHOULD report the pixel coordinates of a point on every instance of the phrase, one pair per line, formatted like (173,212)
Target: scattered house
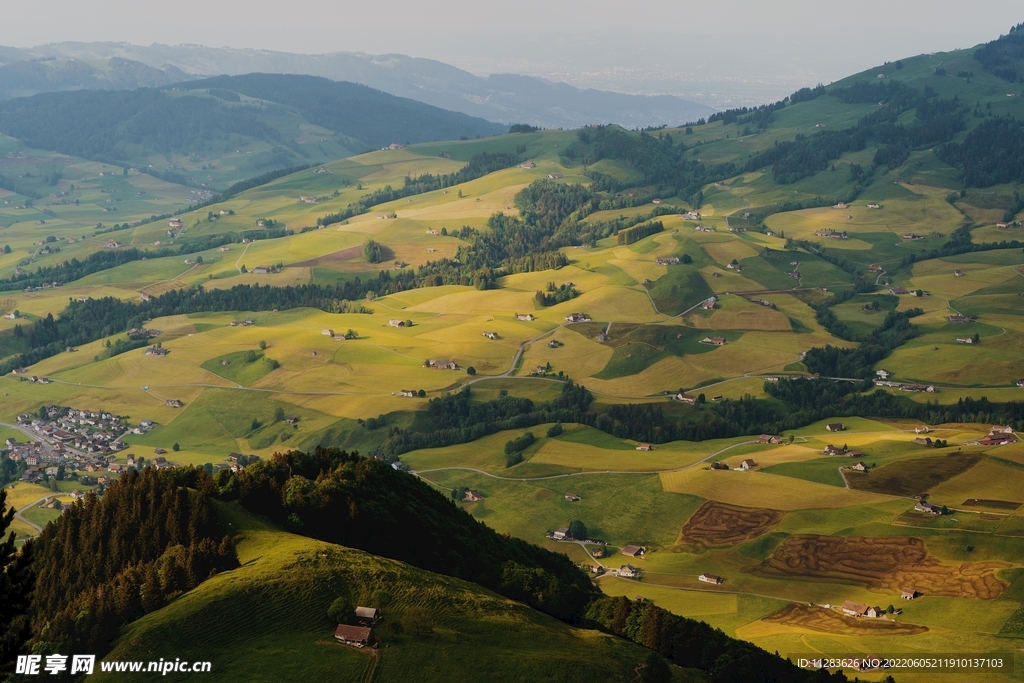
(525,316)
(145,297)
(629,571)
(247,322)
(768,438)
(719,465)
(367,616)
(407,393)
(1020,383)
(855,609)
(572,498)
(157,351)
(835,427)
(603,336)
(923,441)
(927,508)
(929,388)
(528,165)
(356,636)
(554,344)
(555,176)
(472,496)
(541,370)
(491,335)
(998,436)
(883,374)
(174,403)
(685,398)
(923,429)
(634,551)
(715,341)
(223,249)
(1002,225)
(709,303)
(898,291)
(306,199)
(190,262)
(958,273)
(711,578)
(645,447)
(841,205)
(692,216)
(908,594)
(875,268)
(957,318)
(113,244)
(667,260)
(874,206)
(560,533)
(394,322)
(965,340)
(833,450)
(261,270)
(443,365)
(176,223)
(910,236)
(327,333)
(735,266)
(875,612)
(859,467)
(748,464)
(577,318)
(291,420)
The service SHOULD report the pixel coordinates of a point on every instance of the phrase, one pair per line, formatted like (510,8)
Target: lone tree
(341,611)
(578,530)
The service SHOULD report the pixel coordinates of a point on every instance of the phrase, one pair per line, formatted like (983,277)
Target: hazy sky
(650,45)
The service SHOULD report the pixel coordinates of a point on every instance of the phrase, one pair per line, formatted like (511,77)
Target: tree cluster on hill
(107,561)
(1001,57)
(455,418)
(17,581)
(638,232)
(696,645)
(991,154)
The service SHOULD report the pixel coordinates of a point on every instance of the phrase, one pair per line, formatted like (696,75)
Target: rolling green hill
(268,620)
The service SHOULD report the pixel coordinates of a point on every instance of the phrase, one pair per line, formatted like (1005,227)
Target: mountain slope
(504,98)
(280,120)
(267,621)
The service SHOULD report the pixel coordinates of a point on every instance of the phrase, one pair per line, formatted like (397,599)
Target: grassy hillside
(267,620)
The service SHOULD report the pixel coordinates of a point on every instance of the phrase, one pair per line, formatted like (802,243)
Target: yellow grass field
(587,457)
(988,479)
(760,489)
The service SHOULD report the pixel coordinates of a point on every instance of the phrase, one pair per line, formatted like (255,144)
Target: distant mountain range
(505,98)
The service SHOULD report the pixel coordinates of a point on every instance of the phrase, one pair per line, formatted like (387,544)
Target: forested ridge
(111,126)
(107,561)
